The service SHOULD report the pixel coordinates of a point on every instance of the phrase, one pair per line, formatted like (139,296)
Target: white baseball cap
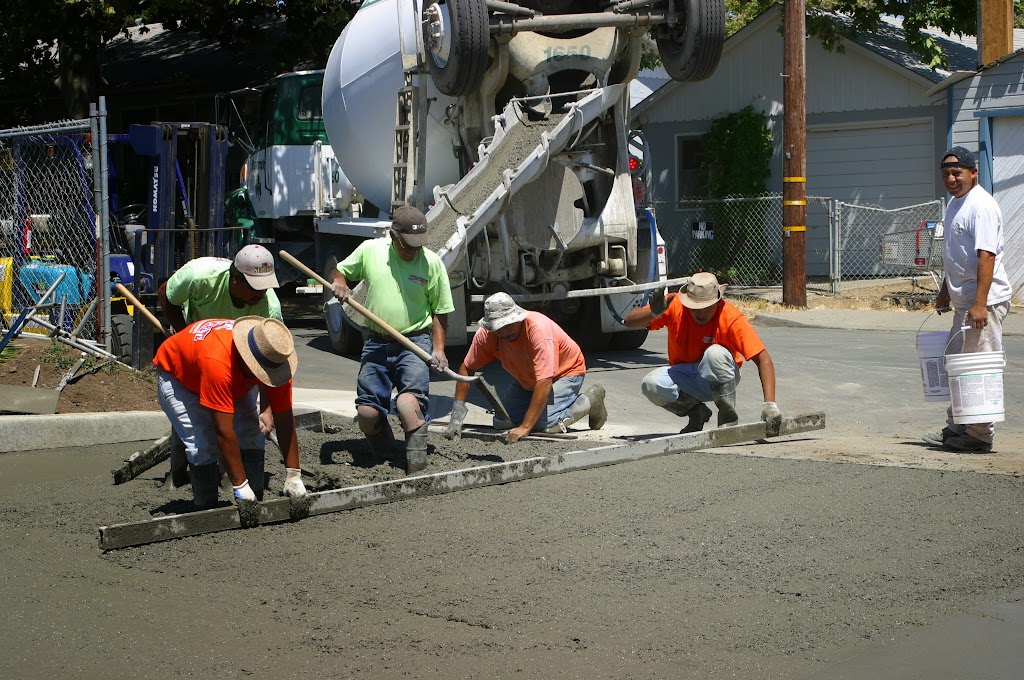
(256,264)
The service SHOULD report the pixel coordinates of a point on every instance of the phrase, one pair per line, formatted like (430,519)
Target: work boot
(965,443)
(685,406)
(416,449)
(725,400)
(205,480)
(382,442)
(939,438)
(253,463)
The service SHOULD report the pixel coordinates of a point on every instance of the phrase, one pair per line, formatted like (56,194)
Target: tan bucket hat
(702,290)
(267,348)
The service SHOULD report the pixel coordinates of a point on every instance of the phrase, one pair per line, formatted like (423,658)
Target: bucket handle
(962,329)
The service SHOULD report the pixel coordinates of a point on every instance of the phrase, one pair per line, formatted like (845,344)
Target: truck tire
(690,52)
(121,337)
(462,70)
(628,340)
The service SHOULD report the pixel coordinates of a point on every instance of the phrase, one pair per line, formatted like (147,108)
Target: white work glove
(459,412)
(243,492)
(341,290)
(771,414)
(438,360)
(658,301)
(293,485)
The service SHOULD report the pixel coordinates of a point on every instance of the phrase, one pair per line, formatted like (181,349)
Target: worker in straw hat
(708,341)
(546,363)
(205,379)
(218,288)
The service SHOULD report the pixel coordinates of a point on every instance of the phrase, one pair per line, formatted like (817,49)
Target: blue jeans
(193,422)
(670,383)
(386,365)
(516,399)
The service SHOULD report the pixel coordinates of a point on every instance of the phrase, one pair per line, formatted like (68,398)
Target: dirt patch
(891,295)
(97,387)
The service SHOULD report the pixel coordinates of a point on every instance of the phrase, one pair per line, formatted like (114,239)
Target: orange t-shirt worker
(708,341)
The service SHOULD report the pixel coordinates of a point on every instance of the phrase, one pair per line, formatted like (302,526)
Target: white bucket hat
(267,348)
(702,290)
(501,310)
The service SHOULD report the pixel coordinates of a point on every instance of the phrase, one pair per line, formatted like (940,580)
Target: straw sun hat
(267,348)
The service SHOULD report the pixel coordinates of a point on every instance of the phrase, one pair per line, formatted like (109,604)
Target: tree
(48,43)
(954,17)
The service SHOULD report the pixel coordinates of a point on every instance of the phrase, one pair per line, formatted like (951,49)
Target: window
(309,105)
(689,155)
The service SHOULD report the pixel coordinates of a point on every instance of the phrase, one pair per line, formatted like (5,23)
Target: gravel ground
(687,566)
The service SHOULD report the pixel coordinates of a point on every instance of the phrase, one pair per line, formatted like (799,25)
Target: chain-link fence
(49,252)
(879,243)
(740,240)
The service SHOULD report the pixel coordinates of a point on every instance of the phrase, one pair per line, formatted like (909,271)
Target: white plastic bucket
(976,387)
(930,349)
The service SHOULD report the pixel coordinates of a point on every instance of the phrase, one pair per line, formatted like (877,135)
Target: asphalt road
(867,382)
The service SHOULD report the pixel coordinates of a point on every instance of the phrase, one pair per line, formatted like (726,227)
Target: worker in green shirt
(218,288)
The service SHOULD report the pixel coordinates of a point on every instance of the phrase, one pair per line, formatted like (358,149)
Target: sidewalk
(870,320)
(24,433)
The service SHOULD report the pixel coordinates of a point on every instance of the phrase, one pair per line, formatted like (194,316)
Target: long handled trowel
(485,387)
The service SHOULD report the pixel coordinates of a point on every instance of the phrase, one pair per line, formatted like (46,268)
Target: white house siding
(1008,189)
(869,123)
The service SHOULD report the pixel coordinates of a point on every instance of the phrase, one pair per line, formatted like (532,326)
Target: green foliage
(737,154)
(9,352)
(62,41)
(737,162)
(955,17)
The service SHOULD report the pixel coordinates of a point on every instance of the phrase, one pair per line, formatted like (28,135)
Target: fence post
(104,216)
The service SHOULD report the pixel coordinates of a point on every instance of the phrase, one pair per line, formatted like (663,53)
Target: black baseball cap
(411,224)
(964,158)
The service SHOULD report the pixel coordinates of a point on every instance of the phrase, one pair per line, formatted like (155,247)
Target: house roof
(890,41)
(887,42)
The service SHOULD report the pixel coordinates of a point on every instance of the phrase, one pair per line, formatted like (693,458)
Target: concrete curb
(29,433)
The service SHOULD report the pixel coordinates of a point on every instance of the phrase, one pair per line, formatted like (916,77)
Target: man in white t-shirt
(975,286)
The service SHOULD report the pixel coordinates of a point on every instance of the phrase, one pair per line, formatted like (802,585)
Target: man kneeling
(546,363)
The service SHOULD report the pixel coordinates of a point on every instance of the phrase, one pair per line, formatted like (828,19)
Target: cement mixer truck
(508,124)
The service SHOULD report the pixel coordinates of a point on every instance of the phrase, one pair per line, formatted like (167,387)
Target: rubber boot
(589,403)
(253,463)
(725,400)
(416,449)
(382,442)
(598,414)
(178,476)
(205,482)
(697,412)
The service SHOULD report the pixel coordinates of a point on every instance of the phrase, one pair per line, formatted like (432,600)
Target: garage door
(1008,188)
(891,165)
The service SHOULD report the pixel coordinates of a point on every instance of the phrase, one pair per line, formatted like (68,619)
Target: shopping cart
(920,251)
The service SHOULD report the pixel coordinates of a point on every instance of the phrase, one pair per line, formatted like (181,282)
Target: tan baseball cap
(256,264)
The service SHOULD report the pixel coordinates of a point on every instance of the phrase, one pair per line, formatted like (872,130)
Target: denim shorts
(388,365)
(193,422)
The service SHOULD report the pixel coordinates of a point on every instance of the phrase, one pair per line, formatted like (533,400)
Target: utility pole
(995,30)
(794,163)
